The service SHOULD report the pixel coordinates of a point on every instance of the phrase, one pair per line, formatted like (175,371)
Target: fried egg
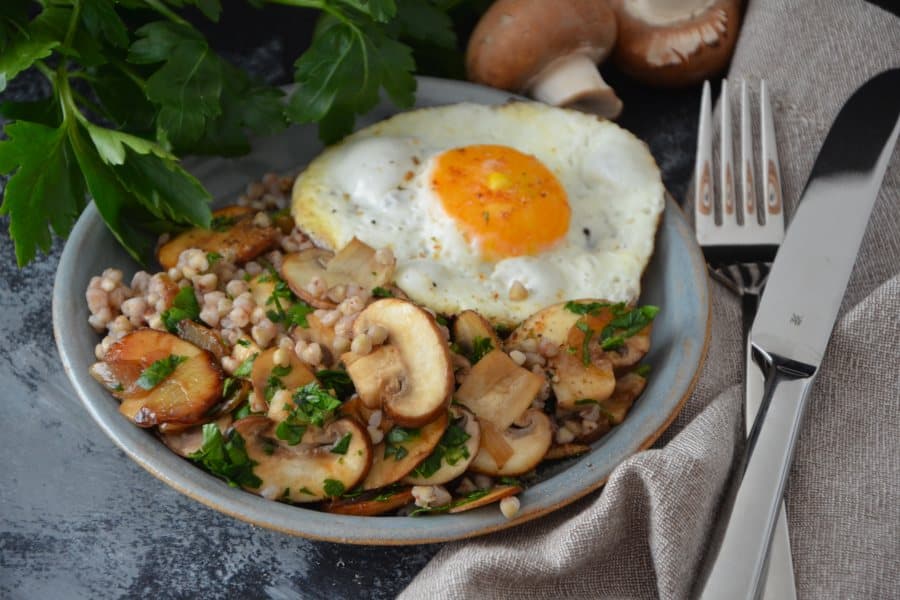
(501,209)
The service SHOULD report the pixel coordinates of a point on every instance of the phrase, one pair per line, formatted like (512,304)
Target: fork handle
(749,304)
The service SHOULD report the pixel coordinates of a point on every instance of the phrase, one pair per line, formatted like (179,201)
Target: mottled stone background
(78,519)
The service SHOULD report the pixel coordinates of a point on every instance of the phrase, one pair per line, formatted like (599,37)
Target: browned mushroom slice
(370,504)
(551,323)
(160,378)
(477,500)
(401,451)
(471,329)
(529,443)
(311,470)
(576,383)
(566,451)
(202,337)
(298,271)
(233,233)
(628,388)
(410,376)
(354,264)
(268,377)
(189,440)
(262,287)
(457,449)
(498,390)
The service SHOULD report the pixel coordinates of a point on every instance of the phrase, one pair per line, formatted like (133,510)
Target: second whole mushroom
(549,50)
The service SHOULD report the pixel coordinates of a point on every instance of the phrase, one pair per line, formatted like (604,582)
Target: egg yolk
(505,200)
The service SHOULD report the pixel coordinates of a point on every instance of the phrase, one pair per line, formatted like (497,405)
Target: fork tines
(728,230)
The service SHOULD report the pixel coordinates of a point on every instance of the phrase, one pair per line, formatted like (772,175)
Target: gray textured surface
(78,519)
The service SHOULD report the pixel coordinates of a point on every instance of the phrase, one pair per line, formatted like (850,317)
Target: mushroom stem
(575,81)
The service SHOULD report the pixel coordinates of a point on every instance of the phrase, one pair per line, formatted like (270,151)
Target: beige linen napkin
(645,534)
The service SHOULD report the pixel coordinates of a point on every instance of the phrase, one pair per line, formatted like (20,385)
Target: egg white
(375,186)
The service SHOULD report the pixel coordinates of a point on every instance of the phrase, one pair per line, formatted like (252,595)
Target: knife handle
(736,564)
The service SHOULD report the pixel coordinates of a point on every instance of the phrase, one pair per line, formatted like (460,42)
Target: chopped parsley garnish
(268,446)
(273,384)
(226,456)
(387,493)
(627,323)
(393,442)
(585,345)
(306,490)
(642,371)
(313,406)
(156,373)
(343,444)
(510,481)
(470,497)
(503,331)
(441,320)
(450,449)
(213,257)
(230,386)
(333,488)
(243,342)
(380,292)
(223,223)
(184,306)
(587,308)
(354,493)
(246,367)
(243,411)
(296,311)
(480,347)
(336,380)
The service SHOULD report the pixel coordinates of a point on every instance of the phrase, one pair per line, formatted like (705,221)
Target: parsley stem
(129,73)
(73,25)
(164,11)
(46,72)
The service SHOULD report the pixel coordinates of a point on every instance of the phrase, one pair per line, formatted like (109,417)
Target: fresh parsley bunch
(135,86)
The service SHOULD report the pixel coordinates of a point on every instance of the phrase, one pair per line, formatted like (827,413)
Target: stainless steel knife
(794,323)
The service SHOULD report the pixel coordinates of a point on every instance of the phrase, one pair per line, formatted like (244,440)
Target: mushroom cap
(390,469)
(411,375)
(675,46)
(517,39)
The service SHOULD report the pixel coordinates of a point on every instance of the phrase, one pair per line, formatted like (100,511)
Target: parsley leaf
(393,441)
(336,380)
(343,444)
(585,308)
(627,323)
(45,188)
(226,456)
(184,306)
(333,488)
(642,371)
(312,406)
(470,497)
(246,367)
(450,449)
(480,347)
(380,292)
(156,373)
(341,73)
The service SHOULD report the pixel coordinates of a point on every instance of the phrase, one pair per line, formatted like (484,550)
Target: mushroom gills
(529,443)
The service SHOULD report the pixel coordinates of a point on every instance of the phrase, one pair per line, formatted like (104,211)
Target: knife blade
(794,323)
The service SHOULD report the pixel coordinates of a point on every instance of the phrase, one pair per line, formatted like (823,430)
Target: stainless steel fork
(739,240)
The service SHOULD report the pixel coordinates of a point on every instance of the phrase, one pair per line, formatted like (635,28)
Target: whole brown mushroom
(675,43)
(548,50)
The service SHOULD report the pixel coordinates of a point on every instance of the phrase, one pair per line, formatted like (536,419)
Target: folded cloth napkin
(644,536)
